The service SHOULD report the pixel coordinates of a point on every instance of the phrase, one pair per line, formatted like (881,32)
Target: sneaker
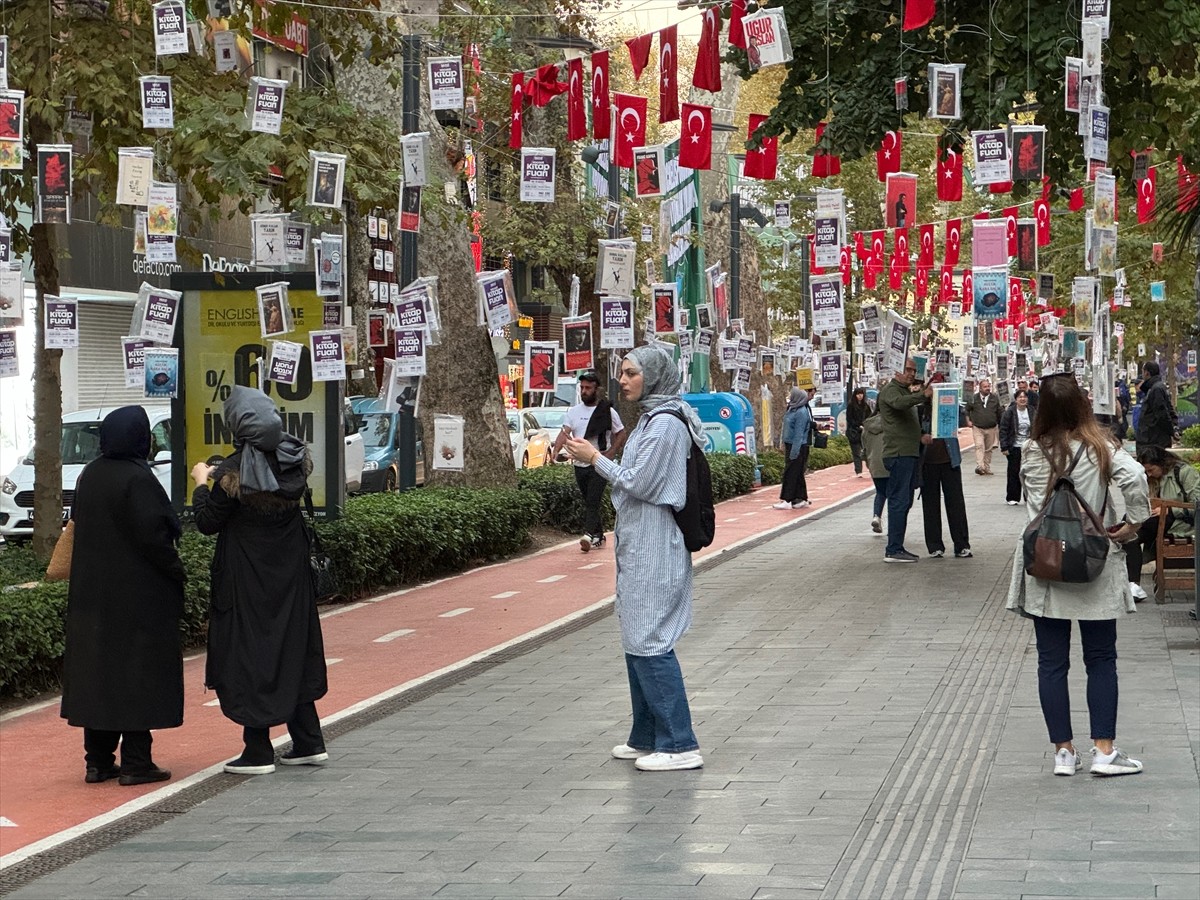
(1138,594)
(150,776)
(670,762)
(782,504)
(1116,763)
(291,758)
(590,541)
(978,470)
(1066,762)
(901,557)
(1011,502)
(241,766)
(964,553)
(801,504)
(96,775)
(937,554)
(624,751)
(876,525)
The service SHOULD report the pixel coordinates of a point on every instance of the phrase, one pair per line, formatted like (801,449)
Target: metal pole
(735,255)
(805,299)
(410,123)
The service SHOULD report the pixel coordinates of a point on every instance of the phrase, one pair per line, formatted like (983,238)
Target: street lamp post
(410,122)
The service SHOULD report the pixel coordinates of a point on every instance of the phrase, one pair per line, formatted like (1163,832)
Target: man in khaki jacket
(983,412)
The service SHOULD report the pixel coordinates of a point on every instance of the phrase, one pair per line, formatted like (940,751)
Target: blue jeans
(1054,661)
(662,721)
(901,483)
(880,496)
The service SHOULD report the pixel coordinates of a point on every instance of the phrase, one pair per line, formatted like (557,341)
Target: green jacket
(1181,483)
(897,406)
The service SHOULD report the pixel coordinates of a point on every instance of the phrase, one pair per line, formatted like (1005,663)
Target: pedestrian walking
(873,446)
(897,403)
(1067,437)
(941,482)
(654,567)
(1157,420)
(983,412)
(1015,427)
(795,437)
(122,667)
(1170,478)
(595,420)
(857,411)
(266,658)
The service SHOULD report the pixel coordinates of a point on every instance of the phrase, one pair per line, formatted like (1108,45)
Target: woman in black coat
(266,658)
(123,668)
(857,412)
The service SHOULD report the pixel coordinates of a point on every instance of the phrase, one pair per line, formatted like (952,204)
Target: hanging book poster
(990,293)
(616,323)
(12,296)
(1096,12)
(410,209)
(10,155)
(158,110)
(992,165)
(577,343)
(161,209)
(414,153)
(537,174)
(1098,133)
(1027,248)
(1073,82)
(448,443)
(1029,152)
(6,254)
(225,50)
(766,362)
(1045,287)
(945,90)
(328,355)
(160,248)
(615,267)
(329,259)
(1106,250)
(899,335)
(783,214)
(828,308)
(945,411)
(665,297)
(274,311)
(133,352)
(3,60)
(541,366)
(135,171)
(160,311)
(766,39)
(62,323)
(1104,209)
(1093,37)
(333,314)
(826,244)
(648,164)
(989,243)
(12,116)
(410,351)
(54,184)
(901,202)
(496,298)
(170,28)
(377,330)
(1158,294)
(284,366)
(264,104)
(326,174)
(161,365)
(295,252)
(9,367)
(704,316)
(267,246)
(445,82)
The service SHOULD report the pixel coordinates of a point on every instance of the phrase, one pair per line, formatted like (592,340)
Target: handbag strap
(312,522)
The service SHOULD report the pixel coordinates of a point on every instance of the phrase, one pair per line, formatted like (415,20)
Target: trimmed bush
(562,504)
(771,463)
(1191,436)
(731,475)
(31,636)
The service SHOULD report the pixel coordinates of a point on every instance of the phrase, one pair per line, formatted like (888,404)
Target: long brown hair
(1063,413)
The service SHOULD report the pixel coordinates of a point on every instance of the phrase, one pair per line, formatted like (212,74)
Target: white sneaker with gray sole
(1116,763)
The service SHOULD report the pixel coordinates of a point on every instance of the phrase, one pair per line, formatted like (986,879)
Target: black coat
(265,651)
(1156,422)
(123,669)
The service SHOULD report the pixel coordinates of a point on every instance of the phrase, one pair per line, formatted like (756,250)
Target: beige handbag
(60,561)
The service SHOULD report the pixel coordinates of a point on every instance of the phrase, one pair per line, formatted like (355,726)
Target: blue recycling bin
(728,420)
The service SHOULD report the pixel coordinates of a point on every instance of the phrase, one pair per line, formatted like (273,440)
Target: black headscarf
(258,435)
(125,434)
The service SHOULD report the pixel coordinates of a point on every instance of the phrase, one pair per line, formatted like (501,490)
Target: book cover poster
(945,90)
(541,366)
(1029,152)
(284,365)
(410,351)
(648,163)
(448,443)
(579,350)
(170,28)
(161,366)
(160,312)
(9,366)
(616,323)
(327,172)
(266,104)
(665,297)
(328,355)
(12,116)
(901,199)
(537,174)
(377,330)
(410,209)
(990,293)
(1027,246)
(62,323)
(992,164)
(54,184)
(445,82)
(158,108)
(1073,81)
(989,243)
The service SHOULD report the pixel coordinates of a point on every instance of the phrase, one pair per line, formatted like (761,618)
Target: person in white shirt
(595,420)
(1014,432)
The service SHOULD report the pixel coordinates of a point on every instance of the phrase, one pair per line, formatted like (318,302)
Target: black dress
(123,668)
(265,651)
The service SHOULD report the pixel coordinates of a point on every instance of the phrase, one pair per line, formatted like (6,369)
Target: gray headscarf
(257,431)
(796,399)
(661,384)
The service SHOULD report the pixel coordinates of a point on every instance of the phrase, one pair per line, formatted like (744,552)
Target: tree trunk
(358,299)
(47,402)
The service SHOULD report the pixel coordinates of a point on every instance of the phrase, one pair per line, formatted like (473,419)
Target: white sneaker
(1136,589)
(876,525)
(801,504)
(1066,762)
(624,751)
(670,762)
(1011,502)
(1116,763)
(782,504)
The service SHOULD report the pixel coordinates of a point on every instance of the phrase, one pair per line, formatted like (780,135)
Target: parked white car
(531,444)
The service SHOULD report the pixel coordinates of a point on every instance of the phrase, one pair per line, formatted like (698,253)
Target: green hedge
(1191,436)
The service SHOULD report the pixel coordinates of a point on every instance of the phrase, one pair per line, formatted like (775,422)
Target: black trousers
(1013,491)
(1136,551)
(794,486)
(856,449)
(944,480)
(100,750)
(591,485)
(303,726)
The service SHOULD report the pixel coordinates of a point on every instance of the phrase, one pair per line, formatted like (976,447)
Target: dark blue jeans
(901,484)
(1099,639)
(662,721)
(880,496)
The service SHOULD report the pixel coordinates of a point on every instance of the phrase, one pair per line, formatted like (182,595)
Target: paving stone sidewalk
(868,731)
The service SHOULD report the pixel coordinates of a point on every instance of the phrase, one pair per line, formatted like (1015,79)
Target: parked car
(380,431)
(355,455)
(551,419)
(531,444)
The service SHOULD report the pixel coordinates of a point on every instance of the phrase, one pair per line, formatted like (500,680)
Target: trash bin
(728,421)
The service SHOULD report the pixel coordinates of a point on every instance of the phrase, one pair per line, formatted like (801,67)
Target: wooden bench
(1175,557)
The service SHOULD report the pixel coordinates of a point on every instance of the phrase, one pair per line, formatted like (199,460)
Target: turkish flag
(1041,218)
(544,86)
(707,75)
(949,175)
(1147,196)
(737,35)
(887,157)
(968,287)
(877,243)
(639,53)
(601,112)
(869,278)
(1010,218)
(917,13)
(860,247)
(631,127)
(946,288)
(895,273)
(953,241)
(1016,300)
(668,81)
(825,164)
(763,161)
(1188,184)
(900,246)
(925,250)
(517,103)
(1047,188)
(695,143)
(844,265)
(1075,203)
(576,110)
(1000,187)
(922,282)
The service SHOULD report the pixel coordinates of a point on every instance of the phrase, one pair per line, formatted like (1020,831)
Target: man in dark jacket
(897,404)
(983,412)
(1157,422)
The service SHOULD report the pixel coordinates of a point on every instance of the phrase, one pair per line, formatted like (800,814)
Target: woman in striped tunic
(654,568)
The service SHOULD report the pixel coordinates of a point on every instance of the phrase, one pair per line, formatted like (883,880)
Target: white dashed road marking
(551,579)
(592,566)
(456,612)
(392,635)
(6,822)
(504,595)
(330,662)
(213,703)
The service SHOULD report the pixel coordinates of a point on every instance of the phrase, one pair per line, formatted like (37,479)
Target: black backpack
(1066,541)
(698,519)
